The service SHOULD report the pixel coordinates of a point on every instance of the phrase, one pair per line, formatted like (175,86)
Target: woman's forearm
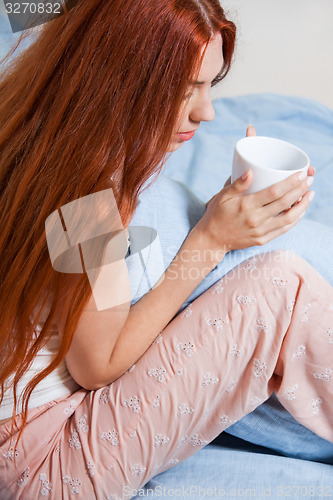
(107,343)
(151,314)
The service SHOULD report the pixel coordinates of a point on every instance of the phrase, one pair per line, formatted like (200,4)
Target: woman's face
(198,104)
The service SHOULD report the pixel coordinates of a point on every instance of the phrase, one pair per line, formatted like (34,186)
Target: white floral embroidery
(179,372)
(329,332)
(305,318)
(71,408)
(315,405)
(246,299)
(263,326)
(195,441)
(159,440)
(24,478)
(104,397)
(235,352)
(156,401)
(173,461)
(187,312)
(137,470)
(133,434)
(187,348)
(291,392)
(184,409)
(218,288)
(110,467)
(158,373)
(46,485)
(73,483)
(256,401)
(131,369)
(82,424)
(232,385)
(157,469)
(301,351)
(326,375)
(209,379)
(134,403)
(291,306)
(279,282)
(57,448)
(218,323)
(111,436)
(11,454)
(91,467)
(158,339)
(74,441)
(250,265)
(182,441)
(225,421)
(260,367)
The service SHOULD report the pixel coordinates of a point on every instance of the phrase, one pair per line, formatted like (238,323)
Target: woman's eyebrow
(196,83)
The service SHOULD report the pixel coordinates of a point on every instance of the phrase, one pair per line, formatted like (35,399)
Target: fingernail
(245,175)
(302,175)
(309,181)
(311,195)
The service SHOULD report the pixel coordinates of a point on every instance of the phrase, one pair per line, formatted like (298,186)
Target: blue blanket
(173,205)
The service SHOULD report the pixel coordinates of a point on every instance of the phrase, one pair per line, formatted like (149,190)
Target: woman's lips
(186,136)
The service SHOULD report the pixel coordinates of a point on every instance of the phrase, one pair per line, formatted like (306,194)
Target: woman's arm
(107,343)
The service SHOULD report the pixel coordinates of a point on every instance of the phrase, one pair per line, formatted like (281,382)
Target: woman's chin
(175,145)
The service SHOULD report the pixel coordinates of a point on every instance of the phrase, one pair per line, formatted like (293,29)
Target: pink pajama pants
(266,326)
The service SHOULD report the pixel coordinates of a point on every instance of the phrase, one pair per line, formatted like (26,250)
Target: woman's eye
(187,96)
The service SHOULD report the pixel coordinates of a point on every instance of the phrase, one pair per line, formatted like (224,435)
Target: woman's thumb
(238,186)
(243,183)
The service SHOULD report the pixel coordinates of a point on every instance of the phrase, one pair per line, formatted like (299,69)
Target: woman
(94,106)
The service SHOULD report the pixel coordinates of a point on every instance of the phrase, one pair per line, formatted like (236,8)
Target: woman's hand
(233,221)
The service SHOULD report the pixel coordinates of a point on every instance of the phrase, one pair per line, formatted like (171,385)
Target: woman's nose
(203,110)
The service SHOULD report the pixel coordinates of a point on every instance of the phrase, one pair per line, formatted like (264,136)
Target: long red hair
(96,95)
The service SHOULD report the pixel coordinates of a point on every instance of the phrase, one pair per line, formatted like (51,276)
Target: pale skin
(107,343)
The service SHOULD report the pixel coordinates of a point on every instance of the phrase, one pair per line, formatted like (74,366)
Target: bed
(267,453)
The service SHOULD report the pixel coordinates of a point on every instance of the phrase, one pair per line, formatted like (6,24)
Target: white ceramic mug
(271,160)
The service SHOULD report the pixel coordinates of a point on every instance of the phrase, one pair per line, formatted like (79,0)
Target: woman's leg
(266,326)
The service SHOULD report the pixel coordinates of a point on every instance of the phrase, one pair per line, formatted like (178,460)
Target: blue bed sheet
(266,450)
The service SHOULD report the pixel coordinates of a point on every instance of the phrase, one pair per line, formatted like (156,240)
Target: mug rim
(272,139)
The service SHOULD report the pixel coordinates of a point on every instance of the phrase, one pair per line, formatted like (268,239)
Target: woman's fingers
(281,223)
(311,170)
(278,190)
(250,131)
(288,200)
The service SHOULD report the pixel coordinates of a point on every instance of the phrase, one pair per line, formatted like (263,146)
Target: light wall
(284,46)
